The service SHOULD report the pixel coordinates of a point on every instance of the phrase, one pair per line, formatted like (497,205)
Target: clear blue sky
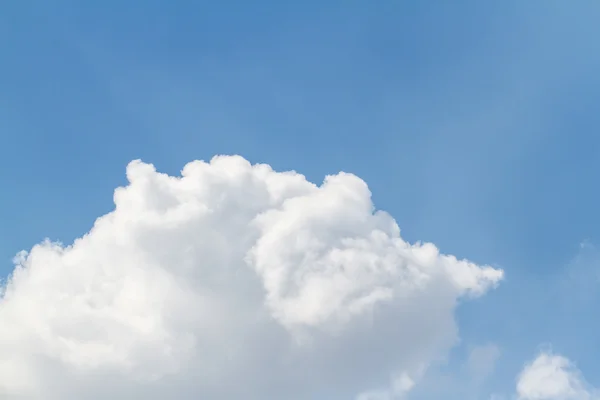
(475,124)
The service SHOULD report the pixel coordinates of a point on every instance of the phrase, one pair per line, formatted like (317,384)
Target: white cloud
(553,377)
(232,281)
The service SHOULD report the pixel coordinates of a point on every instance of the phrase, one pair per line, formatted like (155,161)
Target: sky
(470,125)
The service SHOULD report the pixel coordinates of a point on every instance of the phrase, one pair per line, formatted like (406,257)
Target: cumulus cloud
(553,377)
(231,281)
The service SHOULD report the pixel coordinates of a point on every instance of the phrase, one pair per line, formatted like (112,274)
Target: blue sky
(475,125)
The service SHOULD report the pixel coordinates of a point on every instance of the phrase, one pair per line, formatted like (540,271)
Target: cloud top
(553,377)
(232,280)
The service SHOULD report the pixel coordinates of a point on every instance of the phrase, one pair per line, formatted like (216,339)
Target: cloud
(553,377)
(231,281)
(482,361)
(578,282)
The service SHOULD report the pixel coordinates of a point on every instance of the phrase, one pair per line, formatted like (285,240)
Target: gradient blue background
(476,125)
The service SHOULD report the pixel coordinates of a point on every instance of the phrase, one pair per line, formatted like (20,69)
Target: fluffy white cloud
(553,377)
(231,281)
